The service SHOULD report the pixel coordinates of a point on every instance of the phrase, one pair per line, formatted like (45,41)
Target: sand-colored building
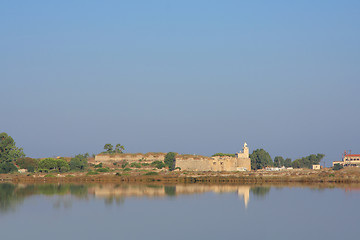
(241,161)
(349,160)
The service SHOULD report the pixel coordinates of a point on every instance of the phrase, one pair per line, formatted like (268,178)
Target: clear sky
(185,76)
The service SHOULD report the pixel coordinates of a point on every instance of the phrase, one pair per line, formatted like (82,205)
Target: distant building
(241,162)
(316,167)
(349,160)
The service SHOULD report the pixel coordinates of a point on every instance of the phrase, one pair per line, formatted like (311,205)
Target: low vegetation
(223,155)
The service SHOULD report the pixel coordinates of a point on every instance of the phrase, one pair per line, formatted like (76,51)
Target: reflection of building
(349,160)
(111,191)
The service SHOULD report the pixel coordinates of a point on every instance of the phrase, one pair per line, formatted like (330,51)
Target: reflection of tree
(8,198)
(260,191)
(170,190)
(11,195)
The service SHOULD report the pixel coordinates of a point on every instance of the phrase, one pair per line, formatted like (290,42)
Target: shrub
(137,165)
(103,170)
(49,175)
(145,164)
(124,164)
(115,163)
(337,166)
(98,165)
(158,164)
(223,155)
(127,169)
(151,174)
(91,173)
(118,174)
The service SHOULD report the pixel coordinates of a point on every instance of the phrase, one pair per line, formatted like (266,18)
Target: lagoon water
(53,211)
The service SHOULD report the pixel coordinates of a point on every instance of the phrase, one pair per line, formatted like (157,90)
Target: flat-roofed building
(349,160)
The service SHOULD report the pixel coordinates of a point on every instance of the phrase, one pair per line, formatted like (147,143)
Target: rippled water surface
(53,211)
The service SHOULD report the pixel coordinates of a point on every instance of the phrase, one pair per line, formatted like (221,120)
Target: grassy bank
(348,175)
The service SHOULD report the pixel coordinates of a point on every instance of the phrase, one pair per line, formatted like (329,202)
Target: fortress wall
(224,164)
(148,157)
(185,162)
(244,163)
(191,164)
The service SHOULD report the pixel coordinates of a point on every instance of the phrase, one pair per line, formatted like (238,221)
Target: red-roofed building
(349,160)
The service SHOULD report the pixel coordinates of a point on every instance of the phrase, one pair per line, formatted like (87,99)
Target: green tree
(30,164)
(79,162)
(54,164)
(109,148)
(62,165)
(287,162)
(119,148)
(7,167)
(8,151)
(279,161)
(260,159)
(170,159)
(307,162)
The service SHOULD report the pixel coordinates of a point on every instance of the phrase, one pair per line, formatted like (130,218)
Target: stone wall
(130,157)
(217,164)
(191,164)
(240,162)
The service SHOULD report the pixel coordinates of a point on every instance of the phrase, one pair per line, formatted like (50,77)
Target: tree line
(261,159)
(12,156)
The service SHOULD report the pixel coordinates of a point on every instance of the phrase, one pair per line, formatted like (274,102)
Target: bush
(127,169)
(158,164)
(91,173)
(145,164)
(98,165)
(337,166)
(151,174)
(49,175)
(114,163)
(103,170)
(137,165)
(124,164)
(118,174)
(223,155)
(7,167)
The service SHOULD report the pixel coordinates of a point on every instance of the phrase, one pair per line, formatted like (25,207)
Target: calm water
(177,212)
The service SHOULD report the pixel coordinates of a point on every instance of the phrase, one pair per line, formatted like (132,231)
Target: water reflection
(118,192)
(12,195)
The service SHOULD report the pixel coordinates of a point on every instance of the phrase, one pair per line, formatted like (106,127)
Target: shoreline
(345,176)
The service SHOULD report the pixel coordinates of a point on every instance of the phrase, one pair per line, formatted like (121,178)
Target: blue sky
(185,76)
